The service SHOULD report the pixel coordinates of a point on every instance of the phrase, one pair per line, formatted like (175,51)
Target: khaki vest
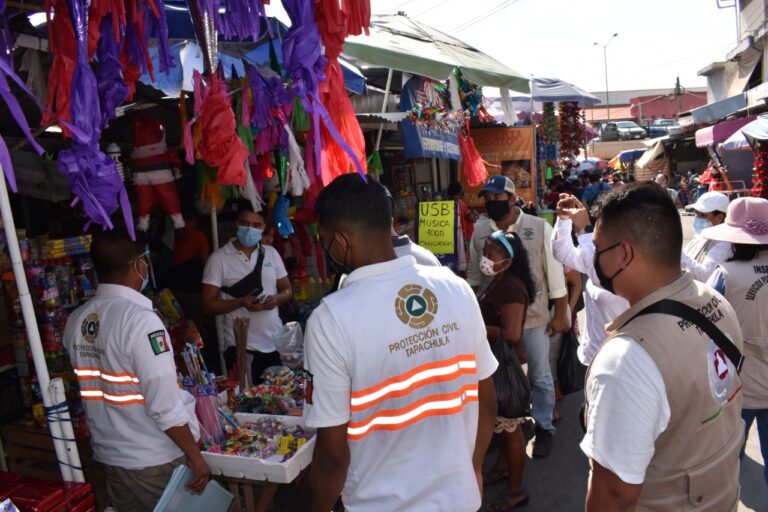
(531,232)
(746,288)
(695,465)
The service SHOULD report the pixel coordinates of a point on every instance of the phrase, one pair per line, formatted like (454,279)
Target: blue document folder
(176,497)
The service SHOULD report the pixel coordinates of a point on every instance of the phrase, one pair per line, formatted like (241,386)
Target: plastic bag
(571,373)
(513,390)
(290,345)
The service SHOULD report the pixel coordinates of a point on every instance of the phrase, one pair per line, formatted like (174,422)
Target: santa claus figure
(155,169)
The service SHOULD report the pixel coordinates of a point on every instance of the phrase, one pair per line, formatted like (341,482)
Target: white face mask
(487,266)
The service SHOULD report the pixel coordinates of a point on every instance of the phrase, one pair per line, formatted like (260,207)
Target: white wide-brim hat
(746,222)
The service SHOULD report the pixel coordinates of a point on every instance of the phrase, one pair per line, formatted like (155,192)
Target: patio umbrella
(399,42)
(736,142)
(554,90)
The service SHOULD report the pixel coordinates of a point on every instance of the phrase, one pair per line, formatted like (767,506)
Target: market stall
(266,119)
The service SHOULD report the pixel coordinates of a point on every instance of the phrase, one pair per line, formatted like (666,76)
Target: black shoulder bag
(675,308)
(250,284)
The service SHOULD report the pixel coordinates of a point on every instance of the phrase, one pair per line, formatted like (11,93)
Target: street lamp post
(605,61)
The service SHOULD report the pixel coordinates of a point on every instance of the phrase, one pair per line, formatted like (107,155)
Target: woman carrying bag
(504,305)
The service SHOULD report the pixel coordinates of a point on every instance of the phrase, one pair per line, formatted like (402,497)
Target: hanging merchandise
(6,71)
(549,150)
(155,170)
(144,18)
(571,133)
(474,165)
(109,73)
(219,144)
(304,64)
(92,175)
(760,175)
(471,97)
(241,19)
(267,134)
(332,23)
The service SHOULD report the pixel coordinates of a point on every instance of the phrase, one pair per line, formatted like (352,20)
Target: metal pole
(383,109)
(63,437)
(218,319)
(607,97)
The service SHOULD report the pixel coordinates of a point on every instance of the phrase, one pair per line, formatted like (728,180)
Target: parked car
(609,132)
(630,130)
(662,127)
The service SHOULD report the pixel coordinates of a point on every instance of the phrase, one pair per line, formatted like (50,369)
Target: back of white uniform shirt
(410,343)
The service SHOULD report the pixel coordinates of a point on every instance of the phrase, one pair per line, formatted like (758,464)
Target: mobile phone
(264,299)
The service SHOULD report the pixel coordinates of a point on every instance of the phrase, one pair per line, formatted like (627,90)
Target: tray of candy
(274,468)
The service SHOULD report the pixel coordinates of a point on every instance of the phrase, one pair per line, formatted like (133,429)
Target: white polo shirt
(397,353)
(227,266)
(123,359)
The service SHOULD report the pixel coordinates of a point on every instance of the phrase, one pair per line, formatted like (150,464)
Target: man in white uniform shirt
(227,272)
(142,425)
(602,307)
(401,390)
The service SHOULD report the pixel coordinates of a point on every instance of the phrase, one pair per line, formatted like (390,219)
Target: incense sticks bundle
(240,328)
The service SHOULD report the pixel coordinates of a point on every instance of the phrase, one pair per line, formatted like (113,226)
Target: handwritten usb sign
(437,226)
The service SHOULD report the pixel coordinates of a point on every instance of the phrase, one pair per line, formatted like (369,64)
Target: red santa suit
(155,168)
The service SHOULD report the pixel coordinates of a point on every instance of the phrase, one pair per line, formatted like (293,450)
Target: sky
(658,40)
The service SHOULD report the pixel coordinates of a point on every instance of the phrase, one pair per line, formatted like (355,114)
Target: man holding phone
(245,278)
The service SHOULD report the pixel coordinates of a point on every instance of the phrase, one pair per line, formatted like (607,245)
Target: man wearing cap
(547,272)
(701,256)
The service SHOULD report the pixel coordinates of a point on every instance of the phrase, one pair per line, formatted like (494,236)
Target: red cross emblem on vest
(721,365)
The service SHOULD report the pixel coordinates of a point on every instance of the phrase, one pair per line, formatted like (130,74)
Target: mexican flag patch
(159,342)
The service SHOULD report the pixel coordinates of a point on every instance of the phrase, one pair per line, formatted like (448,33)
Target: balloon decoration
(571,133)
(760,175)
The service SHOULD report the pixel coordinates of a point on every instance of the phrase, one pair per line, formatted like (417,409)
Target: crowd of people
(409,362)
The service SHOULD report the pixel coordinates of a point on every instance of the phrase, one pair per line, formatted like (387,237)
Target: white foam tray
(249,468)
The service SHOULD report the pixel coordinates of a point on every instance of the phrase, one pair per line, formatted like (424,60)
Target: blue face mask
(700,223)
(248,236)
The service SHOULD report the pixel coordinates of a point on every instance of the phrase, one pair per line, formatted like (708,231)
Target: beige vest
(746,288)
(531,232)
(695,465)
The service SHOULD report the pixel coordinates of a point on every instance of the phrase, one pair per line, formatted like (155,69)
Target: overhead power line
(483,16)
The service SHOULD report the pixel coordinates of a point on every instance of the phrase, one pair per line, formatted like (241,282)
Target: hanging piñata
(332,23)
(92,175)
(305,65)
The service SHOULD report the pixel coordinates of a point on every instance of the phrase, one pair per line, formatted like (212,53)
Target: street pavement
(558,483)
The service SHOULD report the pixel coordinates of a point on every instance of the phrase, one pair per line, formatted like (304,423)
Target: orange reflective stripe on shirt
(434,405)
(112,398)
(401,385)
(113,378)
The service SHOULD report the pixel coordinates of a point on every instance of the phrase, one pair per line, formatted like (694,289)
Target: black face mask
(339,268)
(497,210)
(606,282)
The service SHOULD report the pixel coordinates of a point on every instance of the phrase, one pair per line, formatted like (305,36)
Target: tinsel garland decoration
(549,131)
(571,132)
(760,175)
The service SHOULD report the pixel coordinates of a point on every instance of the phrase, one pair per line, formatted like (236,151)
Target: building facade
(745,67)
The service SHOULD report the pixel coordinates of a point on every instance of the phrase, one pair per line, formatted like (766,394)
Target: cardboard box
(249,468)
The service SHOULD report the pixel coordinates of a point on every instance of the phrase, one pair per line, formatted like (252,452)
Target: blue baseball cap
(499,185)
